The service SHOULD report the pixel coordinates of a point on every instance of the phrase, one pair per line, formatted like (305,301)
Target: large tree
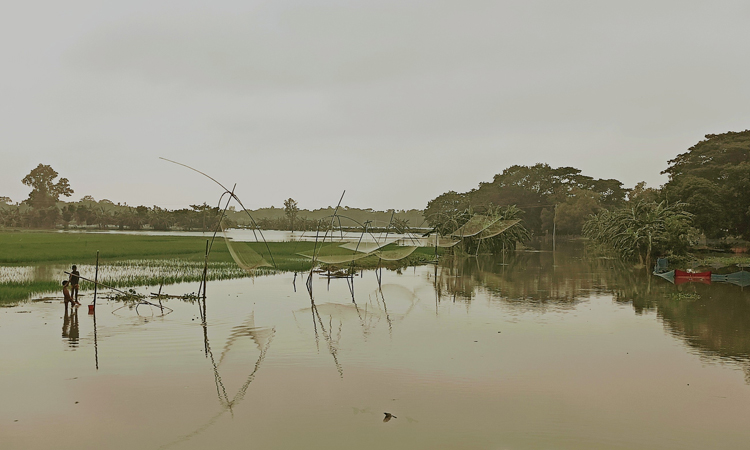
(712,177)
(536,190)
(45,192)
(291,210)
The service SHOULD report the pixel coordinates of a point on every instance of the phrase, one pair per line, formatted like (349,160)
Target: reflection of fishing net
(397,253)
(475,225)
(245,257)
(342,312)
(497,228)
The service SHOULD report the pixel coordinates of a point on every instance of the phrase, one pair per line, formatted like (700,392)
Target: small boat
(681,276)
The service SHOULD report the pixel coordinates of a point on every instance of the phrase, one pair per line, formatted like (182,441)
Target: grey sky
(396,102)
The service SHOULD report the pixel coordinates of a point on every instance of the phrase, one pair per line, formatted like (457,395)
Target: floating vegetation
(684,296)
(128,297)
(721,261)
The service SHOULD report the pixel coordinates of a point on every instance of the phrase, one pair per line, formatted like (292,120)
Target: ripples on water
(537,351)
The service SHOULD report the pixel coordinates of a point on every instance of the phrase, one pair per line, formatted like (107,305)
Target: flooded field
(536,350)
(249,235)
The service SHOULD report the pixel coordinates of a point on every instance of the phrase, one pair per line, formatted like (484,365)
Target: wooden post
(96,279)
(205,270)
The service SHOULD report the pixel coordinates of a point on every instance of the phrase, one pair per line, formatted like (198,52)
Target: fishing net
(474,226)
(243,254)
(396,253)
(364,247)
(430,241)
(497,228)
(333,254)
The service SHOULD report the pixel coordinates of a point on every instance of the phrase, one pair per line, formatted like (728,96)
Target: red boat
(680,276)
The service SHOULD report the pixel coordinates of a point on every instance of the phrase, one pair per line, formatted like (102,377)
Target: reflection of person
(70,325)
(73,326)
(66,322)
(74,278)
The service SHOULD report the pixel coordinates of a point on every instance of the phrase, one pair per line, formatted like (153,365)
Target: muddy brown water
(531,351)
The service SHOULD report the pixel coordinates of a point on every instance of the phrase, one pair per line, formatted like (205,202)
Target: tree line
(708,193)
(45,208)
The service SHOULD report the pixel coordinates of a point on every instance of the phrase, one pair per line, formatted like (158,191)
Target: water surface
(536,350)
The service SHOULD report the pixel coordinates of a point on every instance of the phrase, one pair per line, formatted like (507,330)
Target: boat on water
(682,276)
(677,276)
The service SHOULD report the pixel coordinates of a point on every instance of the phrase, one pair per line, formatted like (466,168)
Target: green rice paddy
(33,263)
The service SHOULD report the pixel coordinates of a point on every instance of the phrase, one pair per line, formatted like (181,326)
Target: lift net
(396,253)
(497,228)
(474,226)
(333,254)
(243,254)
(429,241)
(364,247)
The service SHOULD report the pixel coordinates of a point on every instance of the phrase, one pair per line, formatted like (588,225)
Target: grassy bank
(139,260)
(51,247)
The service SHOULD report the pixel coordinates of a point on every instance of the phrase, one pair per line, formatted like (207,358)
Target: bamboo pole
(99,284)
(96,279)
(315,253)
(205,272)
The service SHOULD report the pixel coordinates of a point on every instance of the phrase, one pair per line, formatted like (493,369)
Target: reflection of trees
(528,278)
(713,319)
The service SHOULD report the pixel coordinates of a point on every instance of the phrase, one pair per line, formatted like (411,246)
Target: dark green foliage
(45,192)
(713,178)
(507,240)
(448,212)
(641,229)
(535,190)
(290,211)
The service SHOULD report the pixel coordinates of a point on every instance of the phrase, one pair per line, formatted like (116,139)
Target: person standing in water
(74,279)
(66,294)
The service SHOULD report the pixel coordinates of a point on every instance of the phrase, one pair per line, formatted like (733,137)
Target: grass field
(144,255)
(50,247)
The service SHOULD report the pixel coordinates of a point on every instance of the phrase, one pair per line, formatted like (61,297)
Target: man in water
(74,278)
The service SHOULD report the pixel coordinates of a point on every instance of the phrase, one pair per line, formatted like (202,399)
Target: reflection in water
(329,318)
(445,363)
(96,343)
(530,279)
(713,319)
(70,326)
(327,334)
(261,336)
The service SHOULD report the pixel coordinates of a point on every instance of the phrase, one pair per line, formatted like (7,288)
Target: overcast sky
(396,102)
